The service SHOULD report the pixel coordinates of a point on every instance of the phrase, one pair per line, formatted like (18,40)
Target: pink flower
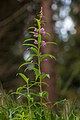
(32,61)
(43,43)
(43,72)
(36,42)
(35,34)
(42,30)
(46,60)
(35,29)
(40,53)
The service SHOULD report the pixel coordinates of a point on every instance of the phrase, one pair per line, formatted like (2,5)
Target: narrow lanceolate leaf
(36,73)
(24,77)
(39,38)
(34,50)
(47,55)
(35,94)
(31,28)
(29,39)
(21,88)
(31,32)
(43,76)
(26,63)
(43,94)
(48,33)
(53,43)
(38,84)
(31,45)
(38,22)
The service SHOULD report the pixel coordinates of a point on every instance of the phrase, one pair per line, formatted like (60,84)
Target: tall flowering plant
(38,42)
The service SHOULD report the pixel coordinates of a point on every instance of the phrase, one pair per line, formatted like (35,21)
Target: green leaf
(32,99)
(31,45)
(54,43)
(24,77)
(39,38)
(45,104)
(21,88)
(29,39)
(33,49)
(31,56)
(35,94)
(72,117)
(26,63)
(17,92)
(43,94)
(36,73)
(48,33)
(31,27)
(38,84)
(38,22)
(31,32)
(47,55)
(43,76)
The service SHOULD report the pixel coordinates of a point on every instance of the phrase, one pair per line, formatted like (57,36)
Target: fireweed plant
(38,42)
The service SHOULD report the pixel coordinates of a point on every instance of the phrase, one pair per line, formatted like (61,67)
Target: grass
(13,109)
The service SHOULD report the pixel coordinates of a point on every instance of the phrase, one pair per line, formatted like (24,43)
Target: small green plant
(38,42)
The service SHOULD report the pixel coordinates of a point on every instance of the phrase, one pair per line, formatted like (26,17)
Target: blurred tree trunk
(49,67)
(14,15)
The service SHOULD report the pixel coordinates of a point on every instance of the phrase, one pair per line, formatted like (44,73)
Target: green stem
(29,100)
(39,67)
